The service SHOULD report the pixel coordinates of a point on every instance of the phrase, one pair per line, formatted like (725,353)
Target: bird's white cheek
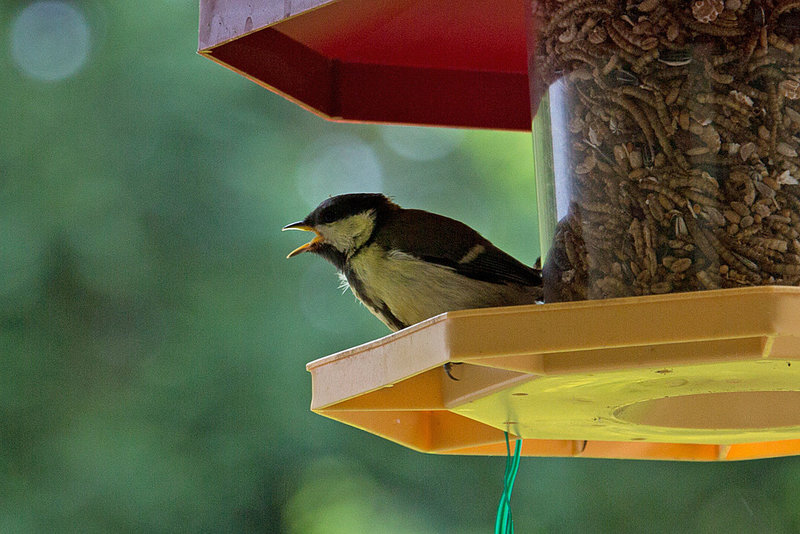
(349,233)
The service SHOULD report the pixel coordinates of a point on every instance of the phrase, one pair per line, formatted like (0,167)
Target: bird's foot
(448,368)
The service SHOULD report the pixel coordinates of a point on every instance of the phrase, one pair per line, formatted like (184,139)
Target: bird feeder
(666,138)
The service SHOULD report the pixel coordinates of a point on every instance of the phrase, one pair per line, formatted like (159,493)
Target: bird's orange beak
(300,225)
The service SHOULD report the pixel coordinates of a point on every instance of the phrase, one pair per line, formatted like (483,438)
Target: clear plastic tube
(675,131)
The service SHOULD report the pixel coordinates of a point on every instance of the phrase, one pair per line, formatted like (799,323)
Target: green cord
(504,523)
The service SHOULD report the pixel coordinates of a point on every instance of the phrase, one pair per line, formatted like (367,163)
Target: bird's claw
(448,368)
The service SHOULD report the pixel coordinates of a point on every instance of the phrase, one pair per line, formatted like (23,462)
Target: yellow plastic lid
(711,375)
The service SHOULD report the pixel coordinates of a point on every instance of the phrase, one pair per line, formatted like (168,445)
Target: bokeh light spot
(335,495)
(421,144)
(335,164)
(50,40)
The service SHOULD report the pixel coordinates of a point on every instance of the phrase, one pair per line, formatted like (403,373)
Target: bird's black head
(342,225)
(341,207)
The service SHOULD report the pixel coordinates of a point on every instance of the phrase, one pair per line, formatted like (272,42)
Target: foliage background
(153,337)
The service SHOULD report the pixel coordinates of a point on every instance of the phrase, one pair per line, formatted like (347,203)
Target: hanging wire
(504,523)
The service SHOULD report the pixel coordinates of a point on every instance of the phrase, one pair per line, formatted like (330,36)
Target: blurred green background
(153,338)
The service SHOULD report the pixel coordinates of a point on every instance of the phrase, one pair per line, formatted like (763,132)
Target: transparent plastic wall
(666,143)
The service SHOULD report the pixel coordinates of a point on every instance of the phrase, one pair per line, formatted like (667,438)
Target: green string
(504,524)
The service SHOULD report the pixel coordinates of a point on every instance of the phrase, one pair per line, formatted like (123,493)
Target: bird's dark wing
(453,244)
(496,266)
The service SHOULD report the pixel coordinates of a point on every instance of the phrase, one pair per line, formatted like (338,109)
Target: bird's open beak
(300,225)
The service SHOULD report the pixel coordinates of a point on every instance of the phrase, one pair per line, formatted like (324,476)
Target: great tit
(407,265)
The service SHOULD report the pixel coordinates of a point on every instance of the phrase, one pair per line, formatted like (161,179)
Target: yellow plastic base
(712,375)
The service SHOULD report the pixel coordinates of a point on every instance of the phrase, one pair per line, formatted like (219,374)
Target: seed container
(666,144)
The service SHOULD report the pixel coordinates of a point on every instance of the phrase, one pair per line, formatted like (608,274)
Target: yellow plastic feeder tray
(711,375)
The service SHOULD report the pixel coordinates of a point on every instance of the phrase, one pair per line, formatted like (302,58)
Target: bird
(407,265)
